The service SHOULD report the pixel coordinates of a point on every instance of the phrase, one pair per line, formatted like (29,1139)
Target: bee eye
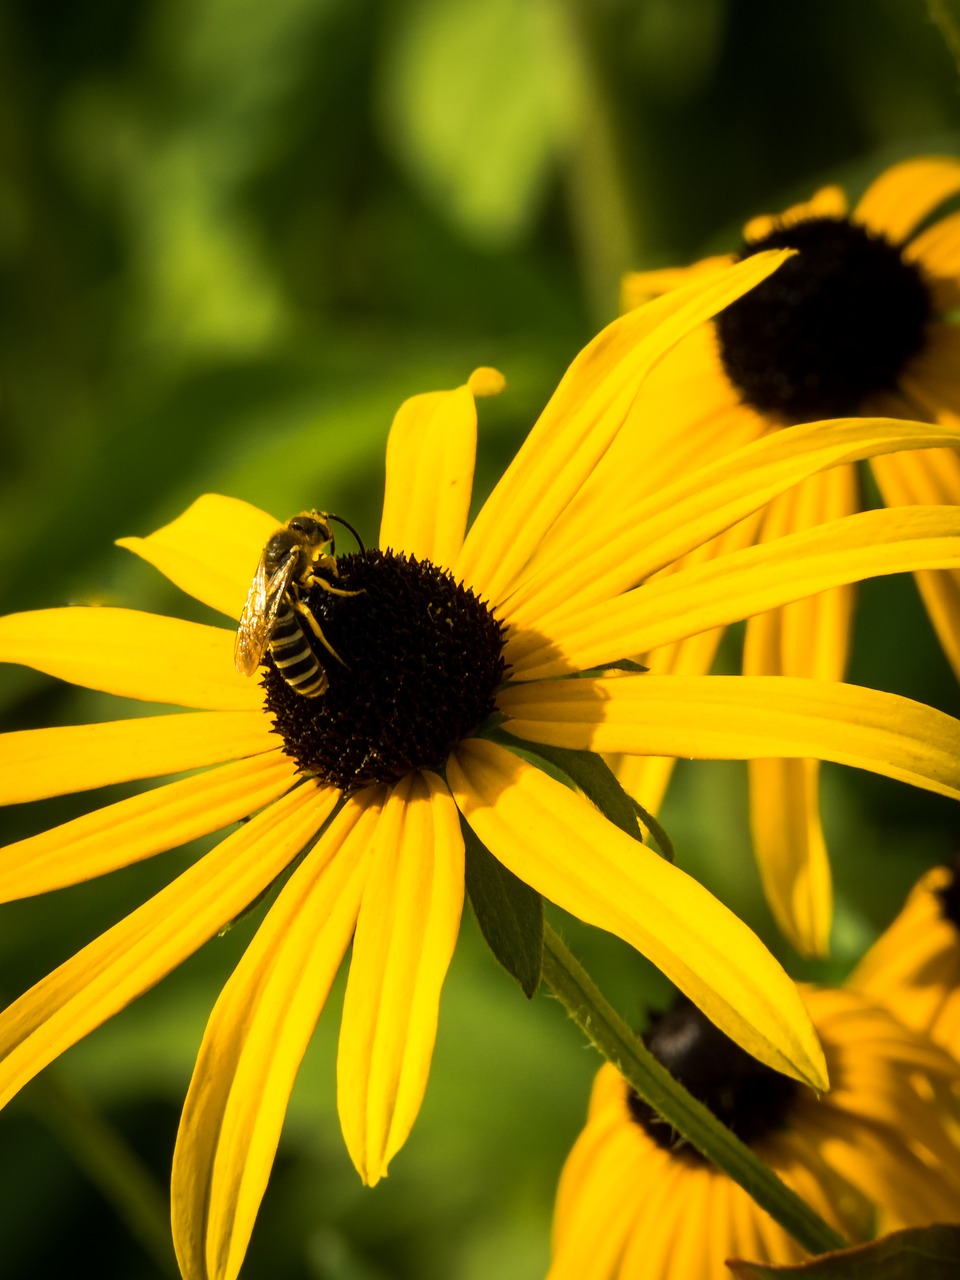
(305,525)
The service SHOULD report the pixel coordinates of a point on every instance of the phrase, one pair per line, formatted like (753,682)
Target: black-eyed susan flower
(914,966)
(428,636)
(856,323)
(635,1204)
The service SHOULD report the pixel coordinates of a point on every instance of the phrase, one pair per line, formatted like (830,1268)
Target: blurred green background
(233,237)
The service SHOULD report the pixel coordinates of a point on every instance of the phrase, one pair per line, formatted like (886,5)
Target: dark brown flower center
(831,327)
(422,659)
(748,1097)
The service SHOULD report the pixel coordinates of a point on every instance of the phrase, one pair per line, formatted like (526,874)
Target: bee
(299,556)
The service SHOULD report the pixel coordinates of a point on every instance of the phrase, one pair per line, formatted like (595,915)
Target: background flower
(858,323)
(633,1204)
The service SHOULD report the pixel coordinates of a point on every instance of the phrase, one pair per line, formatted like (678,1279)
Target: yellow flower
(914,966)
(854,324)
(634,1205)
(370,782)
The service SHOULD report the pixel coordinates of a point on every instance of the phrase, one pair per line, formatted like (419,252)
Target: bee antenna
(347,525)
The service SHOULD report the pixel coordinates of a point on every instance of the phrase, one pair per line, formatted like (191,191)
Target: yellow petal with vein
(582,418)
(211,551)
(906,193)
(36,763)
(728,588)
(253,1045)
(430,455)
(405,938)
(131,654)
(635,540)
(742,718)
(130,830)
(565,849)
(136,953)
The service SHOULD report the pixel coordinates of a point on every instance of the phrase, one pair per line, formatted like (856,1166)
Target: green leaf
(664,843)
(509,913)
(920,1253)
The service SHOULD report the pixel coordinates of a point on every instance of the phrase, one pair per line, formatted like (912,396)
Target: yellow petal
(809,638)
(253,1045)
(130,830)
(430,456)
(828,202)
(905,194)
(211,551)
(36,763)
(561,845)
(405,938)
(742,718)
(937,251)
(582,418)
(731,587)
(636,540)
(933,475)
(131,654)
(791,852)
(136,953)
(639,287)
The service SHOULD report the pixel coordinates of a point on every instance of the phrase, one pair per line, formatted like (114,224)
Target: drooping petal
(130,830)
(582,417)
(37,763)
(405,938)
(561,845)
(254,1042)
(131,654)
(211,551)
(809,638)
(931,475)
(742,718)
(746,582)
(904,194)
(136,953)
(430,457)
(633,541)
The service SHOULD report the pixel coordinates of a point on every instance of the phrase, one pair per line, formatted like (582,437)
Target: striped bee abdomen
(293,657)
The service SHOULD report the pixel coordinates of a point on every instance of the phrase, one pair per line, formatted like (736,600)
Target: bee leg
(314,625)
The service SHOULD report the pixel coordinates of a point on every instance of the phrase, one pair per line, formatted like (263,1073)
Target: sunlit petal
(131,654)
(211,551)
(903,195)
(735,586)
(742,718)
(561,845)
(130,830)
(638,287)
(254,1042)
(405,938)
(636,540)
(135,954)
(430,457)
(36,763)
(582,417)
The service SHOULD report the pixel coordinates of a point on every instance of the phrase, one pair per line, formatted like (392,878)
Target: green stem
(109,1164)
(602,1025)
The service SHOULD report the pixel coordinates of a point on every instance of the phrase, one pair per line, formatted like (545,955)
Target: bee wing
(260,613)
